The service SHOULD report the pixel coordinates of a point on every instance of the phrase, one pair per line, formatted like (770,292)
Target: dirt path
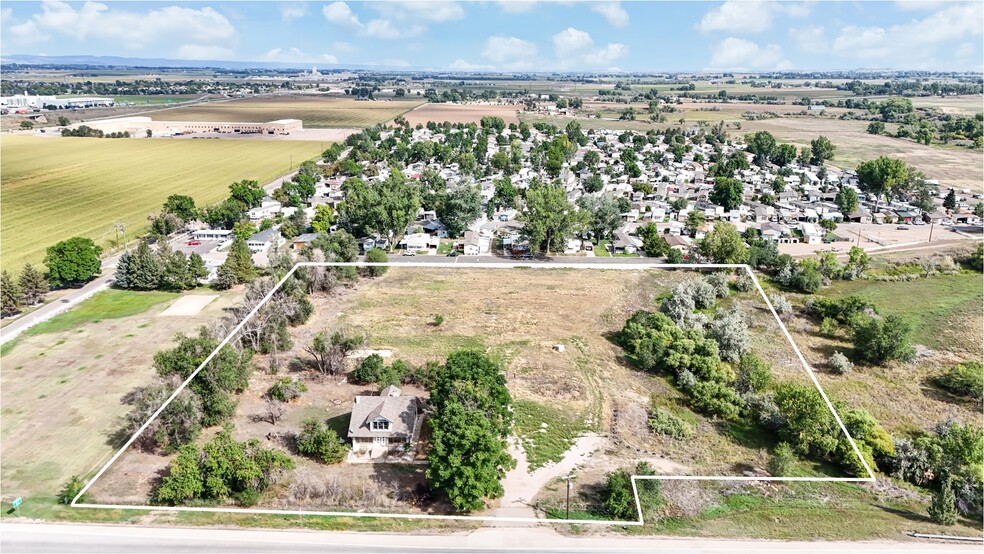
(521,486)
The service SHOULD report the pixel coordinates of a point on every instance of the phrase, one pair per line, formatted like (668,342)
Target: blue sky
(513,35)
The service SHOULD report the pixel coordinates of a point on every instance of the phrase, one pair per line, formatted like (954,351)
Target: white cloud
(752,16)
(912,5)
(509,52)
(203,52)
(810,39)
(613,12)
(574,48)
(291,12)
(195,27)
(571,42)
(6,14)
(739,17)
(295,55)
(916,44)
(740,54)
(516,6)
(417,10)
(340,14)
(462,65)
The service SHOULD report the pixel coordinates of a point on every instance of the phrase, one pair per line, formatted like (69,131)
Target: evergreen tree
(139,269)
(10,296)
(240,261)
(176,274)
(950,202)
(943,508)
(33,284)
(196,268)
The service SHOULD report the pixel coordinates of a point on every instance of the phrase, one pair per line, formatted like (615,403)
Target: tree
(878,340)
(72,261)
(821,150)
(882,177)
(181,206)
(27,124)
(943,508)
(603,215)
(240,261)
(33,285)
(950,201)
(224,215)
(329,351)
(378,256)
(472,419)
(11,297)
(323,219)
(762,144)
(550,218)
(591,159)
(782,460)
(846,200)
(876,128)
(196,267)
(727,192)
(653,242)
(72,489)
(317,440)
(369,370)
(695,219)
(459,207)
(784,155)
(63,121)
(724,245)
(139,269)
(247,192)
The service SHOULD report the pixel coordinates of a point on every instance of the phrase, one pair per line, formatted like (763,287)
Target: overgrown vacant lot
(55,188)
(62,384)
(952,165)
(313,110)
(945,313)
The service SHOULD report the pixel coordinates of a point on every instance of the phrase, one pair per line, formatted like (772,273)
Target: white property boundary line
(494,265)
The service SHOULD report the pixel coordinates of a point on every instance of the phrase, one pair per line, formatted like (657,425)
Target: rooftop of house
(400,411)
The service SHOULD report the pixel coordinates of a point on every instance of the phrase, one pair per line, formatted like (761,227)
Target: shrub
(744,283)
(619,501)
(943,508)
(716,398)
(376,255)
(782,306)
(782,460)
(317,441)
(662,422)
(829,327)
(286,389)
(963,379)
(753,375)
(369,370)
(438,320)
(839,364)
(879,340)
(719,281)
(71,490)
(730,329)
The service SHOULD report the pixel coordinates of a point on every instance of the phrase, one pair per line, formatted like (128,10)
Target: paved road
(54,538)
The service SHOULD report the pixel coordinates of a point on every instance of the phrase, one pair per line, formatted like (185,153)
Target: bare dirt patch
(461,113)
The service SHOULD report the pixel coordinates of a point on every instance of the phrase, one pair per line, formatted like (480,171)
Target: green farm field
(54,188)
(314,111)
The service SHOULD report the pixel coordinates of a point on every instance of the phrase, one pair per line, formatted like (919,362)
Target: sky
(513,35)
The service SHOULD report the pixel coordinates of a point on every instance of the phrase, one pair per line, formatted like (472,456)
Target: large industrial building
(37,102)
(139,125)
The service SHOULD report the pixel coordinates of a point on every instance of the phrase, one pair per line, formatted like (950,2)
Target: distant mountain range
(164,62)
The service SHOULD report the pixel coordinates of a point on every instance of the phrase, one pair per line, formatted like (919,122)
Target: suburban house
(300,241)
(267,208)
(383,423)
(262,241)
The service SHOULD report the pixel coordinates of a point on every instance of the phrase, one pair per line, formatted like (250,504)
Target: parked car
(902,228)
(194,243)
(409,252)
(453,254)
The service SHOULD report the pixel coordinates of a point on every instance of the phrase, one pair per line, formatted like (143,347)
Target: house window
(380,425)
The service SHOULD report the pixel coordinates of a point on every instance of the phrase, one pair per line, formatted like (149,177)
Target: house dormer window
(380,424)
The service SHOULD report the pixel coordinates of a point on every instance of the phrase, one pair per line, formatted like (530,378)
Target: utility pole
(932,222)
(569,478)
(120,228)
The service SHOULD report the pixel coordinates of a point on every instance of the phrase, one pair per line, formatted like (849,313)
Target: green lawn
(107,304)
(55,188)
(934,306)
